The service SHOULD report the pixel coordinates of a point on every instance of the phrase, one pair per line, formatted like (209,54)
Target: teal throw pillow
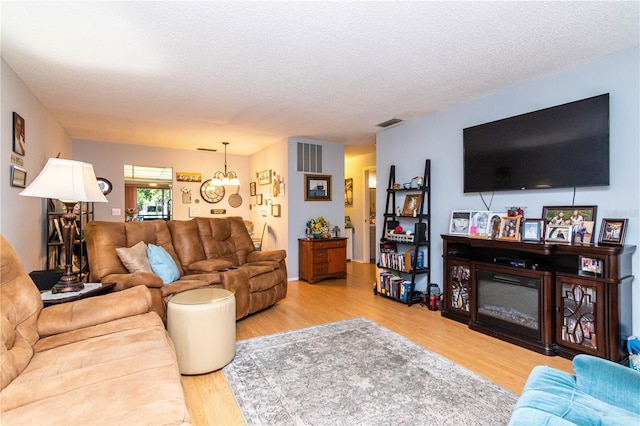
(162,264)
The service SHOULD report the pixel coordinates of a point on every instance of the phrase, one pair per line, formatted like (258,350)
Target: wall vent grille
(309,158)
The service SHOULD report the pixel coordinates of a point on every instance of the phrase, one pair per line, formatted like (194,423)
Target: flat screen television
(559,147)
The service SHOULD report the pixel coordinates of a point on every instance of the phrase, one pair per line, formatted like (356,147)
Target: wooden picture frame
(558,234)
(18,177)
(19,143)
(533,230)
(275,210)
(510,228)
(317,187)
(264,177)
(258,199)
(613,231)
(580,218)
(411,204)
(459,223)
(252,188)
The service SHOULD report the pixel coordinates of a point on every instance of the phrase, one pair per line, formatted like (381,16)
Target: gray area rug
(356,372)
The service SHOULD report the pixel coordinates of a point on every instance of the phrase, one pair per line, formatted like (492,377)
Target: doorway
(148,193)
(369,208)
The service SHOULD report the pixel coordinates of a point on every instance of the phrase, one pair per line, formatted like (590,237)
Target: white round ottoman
(202,325)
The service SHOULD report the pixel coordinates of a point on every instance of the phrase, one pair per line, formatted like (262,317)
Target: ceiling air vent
(389,122)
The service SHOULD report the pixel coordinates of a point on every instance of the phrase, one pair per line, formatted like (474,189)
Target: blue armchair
(601,393)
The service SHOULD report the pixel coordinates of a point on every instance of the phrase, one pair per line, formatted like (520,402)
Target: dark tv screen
(558,147)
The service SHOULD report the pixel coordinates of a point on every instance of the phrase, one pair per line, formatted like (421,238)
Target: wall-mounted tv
(558,147)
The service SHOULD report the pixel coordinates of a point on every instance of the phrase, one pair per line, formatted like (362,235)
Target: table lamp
(70,182)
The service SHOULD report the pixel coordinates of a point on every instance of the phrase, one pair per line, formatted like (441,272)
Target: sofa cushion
(163,264)
(135,258)
(83,382)
(552,397)
(20,306)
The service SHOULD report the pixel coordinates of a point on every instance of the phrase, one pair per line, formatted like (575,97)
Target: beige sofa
(100,360)
(216,252)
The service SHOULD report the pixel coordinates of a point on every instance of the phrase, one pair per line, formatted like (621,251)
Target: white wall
(109,158)
(301,211)
(359,212)
(22,219)
(439,137)
(273,158)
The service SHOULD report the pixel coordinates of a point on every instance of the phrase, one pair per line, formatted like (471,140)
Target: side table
(89,290)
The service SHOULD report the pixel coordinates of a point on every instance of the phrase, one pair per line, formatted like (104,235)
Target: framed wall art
(258,199)
(275,210)
(188,177)
(264,177)
(252,188)
(581,219)
(348,192)
(612,231)
(317,187)
(18,177)
(18,134)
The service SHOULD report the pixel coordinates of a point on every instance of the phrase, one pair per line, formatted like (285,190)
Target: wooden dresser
(322,258)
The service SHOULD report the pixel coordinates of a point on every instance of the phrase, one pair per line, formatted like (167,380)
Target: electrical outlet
(116,212)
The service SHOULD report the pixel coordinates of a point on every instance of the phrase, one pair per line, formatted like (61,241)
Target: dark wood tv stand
(579,312)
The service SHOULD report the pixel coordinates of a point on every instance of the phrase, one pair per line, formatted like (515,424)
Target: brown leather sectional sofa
(102,360)
(214,252)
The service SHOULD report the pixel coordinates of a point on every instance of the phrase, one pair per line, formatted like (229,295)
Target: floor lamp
(70,182)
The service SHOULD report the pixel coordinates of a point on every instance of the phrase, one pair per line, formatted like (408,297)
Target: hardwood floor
(211,402)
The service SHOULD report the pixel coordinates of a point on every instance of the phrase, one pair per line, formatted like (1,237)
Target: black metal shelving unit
(420,240)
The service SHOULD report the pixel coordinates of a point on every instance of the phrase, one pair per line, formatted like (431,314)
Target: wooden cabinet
(322,258)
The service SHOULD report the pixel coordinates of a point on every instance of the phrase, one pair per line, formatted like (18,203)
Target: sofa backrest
(103,238)
(211,238)
(225,238)
(20,306)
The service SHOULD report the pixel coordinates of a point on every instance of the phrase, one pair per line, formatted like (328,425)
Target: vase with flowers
(319,227)
(131,215)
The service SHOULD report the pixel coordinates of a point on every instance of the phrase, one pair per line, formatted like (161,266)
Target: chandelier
(228,178)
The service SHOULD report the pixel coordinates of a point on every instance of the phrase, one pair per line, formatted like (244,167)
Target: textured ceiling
(194,74)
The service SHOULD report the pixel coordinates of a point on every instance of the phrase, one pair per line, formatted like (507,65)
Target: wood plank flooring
(211,402)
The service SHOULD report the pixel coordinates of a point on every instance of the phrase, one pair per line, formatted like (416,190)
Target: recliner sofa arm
(124,281)
(607,381)
(257,256)
(84,313)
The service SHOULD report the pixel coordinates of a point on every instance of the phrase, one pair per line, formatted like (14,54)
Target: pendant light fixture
(229,178)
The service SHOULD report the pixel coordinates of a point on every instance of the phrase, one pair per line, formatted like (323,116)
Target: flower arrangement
(131,214)
(318,226)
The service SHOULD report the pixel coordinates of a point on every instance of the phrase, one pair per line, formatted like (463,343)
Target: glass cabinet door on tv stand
(579,315)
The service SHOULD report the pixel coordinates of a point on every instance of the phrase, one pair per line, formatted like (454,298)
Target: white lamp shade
(66,180)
